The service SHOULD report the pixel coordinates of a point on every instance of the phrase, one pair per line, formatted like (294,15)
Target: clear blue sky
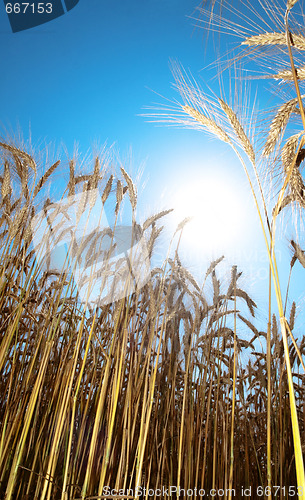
(86,77)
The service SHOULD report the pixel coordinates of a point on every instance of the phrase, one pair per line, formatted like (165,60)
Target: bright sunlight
(220,216)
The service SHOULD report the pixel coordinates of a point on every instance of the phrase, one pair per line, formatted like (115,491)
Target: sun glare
(219,217)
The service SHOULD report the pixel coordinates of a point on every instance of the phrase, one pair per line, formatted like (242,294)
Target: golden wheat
(207,122)
(107,189)
(297,41)
(131,188)
(278,124)
(119,196)
(45,177)
(239,131)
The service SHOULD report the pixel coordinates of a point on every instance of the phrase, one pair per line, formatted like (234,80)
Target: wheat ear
(6,189)
(107,189)
(151,220)
(296,183)
(119,196)
(239,131)
(278,124)
(45,177)
(19,152)
(131,188)
(287,75)
(297,41)
(207,122)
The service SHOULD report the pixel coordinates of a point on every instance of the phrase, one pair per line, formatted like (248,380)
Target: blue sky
(86,77)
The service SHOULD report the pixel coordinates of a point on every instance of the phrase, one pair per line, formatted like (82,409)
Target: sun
(220,217)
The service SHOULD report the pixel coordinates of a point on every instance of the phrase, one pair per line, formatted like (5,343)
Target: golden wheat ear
(298,253)
(131,188)
(239,131)
(279,124)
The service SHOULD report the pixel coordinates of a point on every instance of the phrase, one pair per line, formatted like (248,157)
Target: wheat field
(147,391)
(148,388)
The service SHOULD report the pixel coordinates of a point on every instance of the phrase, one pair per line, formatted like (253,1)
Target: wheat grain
(155,233)
(155,217)
(216,287)
(278,124)
(22,171)
(183,223)
(82,178)
(93,183)
(292,316)
(71,184)
(82,201)
(18,221)
(191,279)
(291,3)
(287,75)
(6,188)
(96,173)
(296,183)
(298,253)
(212,266)
(119,196)
(131,188)
(239,131)
(107,189)
(28,234)
(207,122)
(289,150)
(45,177)
(250,303)
(297,41)
(97,243)
(92,197)
(15,205)
(19,152)
(249,325)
